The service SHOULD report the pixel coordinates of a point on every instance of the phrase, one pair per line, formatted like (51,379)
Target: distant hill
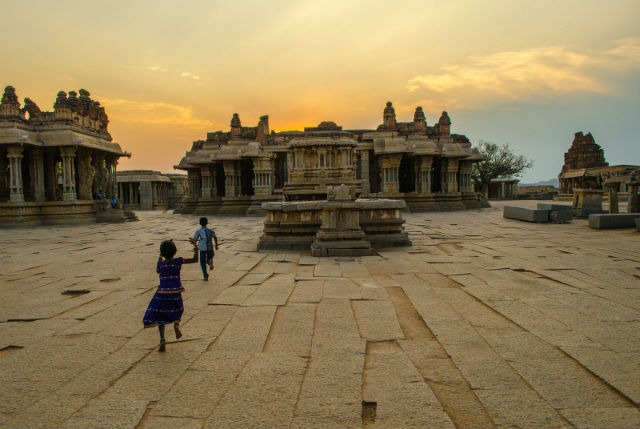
(551,182)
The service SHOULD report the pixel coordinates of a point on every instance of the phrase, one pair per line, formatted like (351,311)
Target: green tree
(500,162)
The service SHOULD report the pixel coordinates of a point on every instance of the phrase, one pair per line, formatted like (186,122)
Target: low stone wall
(232,206)
(48,213)
(294,225)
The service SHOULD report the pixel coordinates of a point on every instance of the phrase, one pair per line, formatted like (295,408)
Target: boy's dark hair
(168,249)
(204,221)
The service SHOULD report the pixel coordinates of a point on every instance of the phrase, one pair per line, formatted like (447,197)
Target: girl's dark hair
(168,249)
(204,221)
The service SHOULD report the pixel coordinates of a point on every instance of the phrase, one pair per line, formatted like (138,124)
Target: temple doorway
(436,178)
(407,175)
(246,179)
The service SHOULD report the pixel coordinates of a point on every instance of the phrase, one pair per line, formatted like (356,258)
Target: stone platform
(483,322)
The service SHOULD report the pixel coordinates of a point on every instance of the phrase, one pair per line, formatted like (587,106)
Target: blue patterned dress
(166,305)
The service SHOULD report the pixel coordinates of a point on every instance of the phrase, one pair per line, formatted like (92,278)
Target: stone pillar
(229,178)
(85,174)
(215,192)
(205,174)
(390,165)
(112,166)
(425,174)
(263,173)
(148,194)
(68,154)
(613,199)
(238,180)
(364,169)
(16,191)
(633,205)
(37,175)
(452,179)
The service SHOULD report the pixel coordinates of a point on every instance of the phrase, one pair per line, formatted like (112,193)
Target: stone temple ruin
(585,167)
(53,163)
(425,166)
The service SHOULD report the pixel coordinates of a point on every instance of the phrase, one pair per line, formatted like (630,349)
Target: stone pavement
(484,322)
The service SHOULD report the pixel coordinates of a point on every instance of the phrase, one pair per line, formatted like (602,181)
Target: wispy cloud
(157,68)
(146,112)
(191,75)
(529,73)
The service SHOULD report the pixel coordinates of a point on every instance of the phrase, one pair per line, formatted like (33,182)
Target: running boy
(204,237)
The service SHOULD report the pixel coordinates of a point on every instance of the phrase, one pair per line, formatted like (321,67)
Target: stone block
(561,216)
(613,221)
(637,221)
(529,215)
(583,213)
(554,207)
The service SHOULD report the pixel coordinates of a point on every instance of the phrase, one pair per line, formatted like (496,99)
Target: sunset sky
(526,73)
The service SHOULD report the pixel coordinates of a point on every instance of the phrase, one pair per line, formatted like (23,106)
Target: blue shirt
(203,237)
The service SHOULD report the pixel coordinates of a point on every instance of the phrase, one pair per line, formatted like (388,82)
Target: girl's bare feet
(162,346)
(176,328)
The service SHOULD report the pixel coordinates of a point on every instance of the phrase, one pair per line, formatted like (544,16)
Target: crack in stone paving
(459,402)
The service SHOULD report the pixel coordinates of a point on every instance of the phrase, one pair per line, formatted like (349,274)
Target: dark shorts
(206,254)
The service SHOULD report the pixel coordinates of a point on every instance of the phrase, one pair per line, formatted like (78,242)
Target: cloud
(526,74)
(191,75)
(145,112)
(157,68)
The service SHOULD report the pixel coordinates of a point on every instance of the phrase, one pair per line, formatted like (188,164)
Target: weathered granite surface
(484,322)
(612,221)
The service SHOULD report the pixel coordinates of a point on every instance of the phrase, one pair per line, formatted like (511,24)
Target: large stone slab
(613,221)
(529,215)
(554,207)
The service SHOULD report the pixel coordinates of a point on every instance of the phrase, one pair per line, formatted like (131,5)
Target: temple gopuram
(585,166)
(53,163)
(234,172)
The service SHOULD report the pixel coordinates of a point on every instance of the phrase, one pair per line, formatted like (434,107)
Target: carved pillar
(112,163)
(452,179)
(16,191)
(390,165)
(98,177)
(205,174)
(37,175)
(364,169)
(68,154)
(4,170)
(238,179)
(633,204)
(425,174)
(613,199)
(263,173)
(467,174)
(229,178)
(85,174)
(214,180)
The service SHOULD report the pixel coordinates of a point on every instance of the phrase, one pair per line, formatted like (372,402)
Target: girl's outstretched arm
(195,256)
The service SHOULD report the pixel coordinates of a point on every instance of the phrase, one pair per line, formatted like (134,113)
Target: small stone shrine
(340,233)
(150,190)
(54,163)
(338,226)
